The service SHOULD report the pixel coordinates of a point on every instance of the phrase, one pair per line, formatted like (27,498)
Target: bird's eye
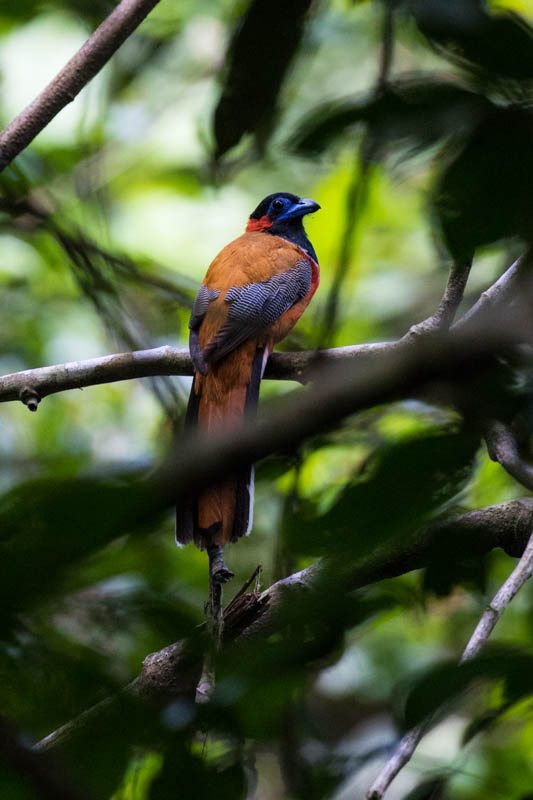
(278,204)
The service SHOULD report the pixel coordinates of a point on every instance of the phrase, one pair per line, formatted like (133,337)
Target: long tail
(229,391)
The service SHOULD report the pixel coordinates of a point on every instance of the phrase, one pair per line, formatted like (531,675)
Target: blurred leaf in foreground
(415,112)
(260,54)
(48,524)
(485,193)
(405,486)
(445,683)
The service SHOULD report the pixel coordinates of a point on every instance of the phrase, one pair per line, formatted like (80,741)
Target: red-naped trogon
(253,293)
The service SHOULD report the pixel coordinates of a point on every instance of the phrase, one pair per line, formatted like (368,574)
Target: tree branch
(503,448)
(81,68)
(174,671)
(43,773)
(505,594)
(34,384)
(410,741)
(30,386)
(495,295)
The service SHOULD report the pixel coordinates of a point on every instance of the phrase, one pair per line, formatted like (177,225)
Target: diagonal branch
(42,772)
(76,73)
(174,671)
(410,741)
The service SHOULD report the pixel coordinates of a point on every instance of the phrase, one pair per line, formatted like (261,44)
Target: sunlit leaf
(417,477)
(446,682)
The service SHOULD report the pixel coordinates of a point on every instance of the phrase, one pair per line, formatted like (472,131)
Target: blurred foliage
(107,224)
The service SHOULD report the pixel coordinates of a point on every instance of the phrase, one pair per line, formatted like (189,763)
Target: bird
(254,292)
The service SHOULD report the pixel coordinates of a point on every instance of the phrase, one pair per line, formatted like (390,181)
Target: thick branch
(81,68)
(447,364)
(174,671)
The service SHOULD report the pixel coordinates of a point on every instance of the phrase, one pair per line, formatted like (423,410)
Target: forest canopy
(394,464)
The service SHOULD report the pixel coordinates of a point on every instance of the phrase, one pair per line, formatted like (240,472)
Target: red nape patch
(258,224)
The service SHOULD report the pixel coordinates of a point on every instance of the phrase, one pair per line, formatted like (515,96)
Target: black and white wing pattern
(255,307)
(199,310)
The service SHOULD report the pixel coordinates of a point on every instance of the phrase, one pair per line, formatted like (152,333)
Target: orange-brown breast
(251,258)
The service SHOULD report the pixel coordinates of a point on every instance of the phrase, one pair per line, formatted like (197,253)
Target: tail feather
(224,512)
(187,512)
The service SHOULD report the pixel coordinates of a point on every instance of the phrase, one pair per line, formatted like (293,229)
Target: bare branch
(34,384)
(43,773)
(454,292)
(495,295)
(81,68)
(503,448)
(174,671)
(38,383)
(410,741)
(401,756)
(30,386)
(521,573)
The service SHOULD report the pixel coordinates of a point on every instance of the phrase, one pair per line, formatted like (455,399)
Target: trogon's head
(281,214)
(280,211)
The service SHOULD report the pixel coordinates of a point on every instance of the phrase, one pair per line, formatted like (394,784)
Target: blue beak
(299,209)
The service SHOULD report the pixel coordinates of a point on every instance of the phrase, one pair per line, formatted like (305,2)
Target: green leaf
(417,112)
(49,524)
(446,682)
(432,789)
(486,192)
(500,44)
(196,778)
(262,49)
(404,487)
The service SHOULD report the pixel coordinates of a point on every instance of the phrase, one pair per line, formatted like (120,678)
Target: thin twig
(520,574)
(447,308)
(410,741)
(499,292)
(454,292)
(244,588)
(386,54)
(81,68)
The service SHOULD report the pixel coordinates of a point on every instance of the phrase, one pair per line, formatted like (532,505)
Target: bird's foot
(222,573)
(219,571)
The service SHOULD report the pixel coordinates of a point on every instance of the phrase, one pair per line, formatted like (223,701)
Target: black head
(281,214)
